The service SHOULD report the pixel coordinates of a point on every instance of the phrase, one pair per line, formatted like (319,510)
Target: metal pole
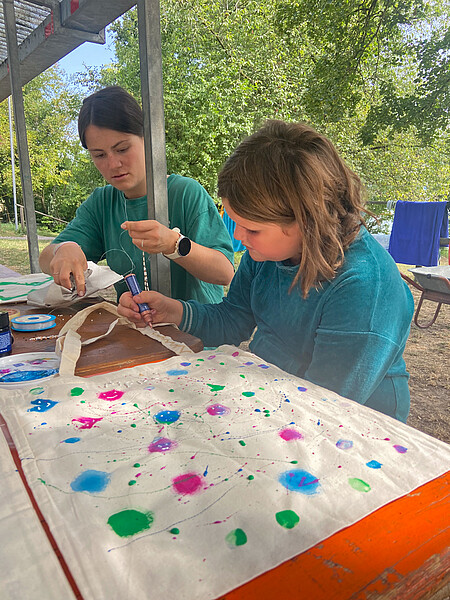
(154,135)
(13,165)
(21,133)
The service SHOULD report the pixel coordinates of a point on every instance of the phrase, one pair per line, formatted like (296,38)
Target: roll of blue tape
(33,322)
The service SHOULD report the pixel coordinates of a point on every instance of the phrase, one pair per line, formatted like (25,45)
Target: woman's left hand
(151,236)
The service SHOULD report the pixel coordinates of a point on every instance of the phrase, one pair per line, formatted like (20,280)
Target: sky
(88,54)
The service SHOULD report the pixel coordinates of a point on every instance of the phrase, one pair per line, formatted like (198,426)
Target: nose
(114,161)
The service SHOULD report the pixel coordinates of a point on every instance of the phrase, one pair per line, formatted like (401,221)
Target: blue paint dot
(91,481)
(185,364)
(176,372)
(41,405)
(344,444)
(257,410)
(73,440)
(167,416)
(374,464)
(301,481)
(302,389)
(264,366)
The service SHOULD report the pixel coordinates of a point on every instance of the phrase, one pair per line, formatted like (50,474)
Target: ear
(292,230)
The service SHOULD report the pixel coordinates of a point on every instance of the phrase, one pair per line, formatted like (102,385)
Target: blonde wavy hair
(288,172)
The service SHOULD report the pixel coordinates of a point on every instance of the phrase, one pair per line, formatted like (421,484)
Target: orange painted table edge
(401,551)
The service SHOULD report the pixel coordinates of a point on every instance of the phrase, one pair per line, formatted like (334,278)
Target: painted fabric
(356,324)
(187,478)
(96,228)
(17,289)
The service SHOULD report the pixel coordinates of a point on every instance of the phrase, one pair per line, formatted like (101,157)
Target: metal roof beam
(63,30)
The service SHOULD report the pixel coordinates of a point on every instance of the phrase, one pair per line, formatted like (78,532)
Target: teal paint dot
(242,443)
(132,482)
(287,519)
(133,425)
(175,531)
(251,477)
(136,465)
(237,537)
(248,394)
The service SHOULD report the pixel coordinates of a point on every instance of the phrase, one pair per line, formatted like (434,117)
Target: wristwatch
(182,246)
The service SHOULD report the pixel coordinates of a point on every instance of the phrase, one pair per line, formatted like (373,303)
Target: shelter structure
(34,35)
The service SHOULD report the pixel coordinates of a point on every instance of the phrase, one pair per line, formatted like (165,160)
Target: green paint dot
(294,462)
(248,394)
(82,401)
(266,410)
(175,531)
(242,443)
(76,391)
(359,485)
(129,522)
(287,518)
(221,363)
(237,537)
(171,390)
(133,425)
(261,388)
(136,465)
(251,477)
(200,360)
(243,376)
(132,482)
(136,405)
(267,415)
(215,388)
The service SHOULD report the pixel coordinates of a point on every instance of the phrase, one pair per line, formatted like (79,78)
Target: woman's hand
(66,263)
(151,236)
(163,309)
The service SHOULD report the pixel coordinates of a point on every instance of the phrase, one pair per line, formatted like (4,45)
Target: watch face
(184,246)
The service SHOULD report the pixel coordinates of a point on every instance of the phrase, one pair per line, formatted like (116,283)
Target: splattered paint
(189,464)
(41,405)
(129,522)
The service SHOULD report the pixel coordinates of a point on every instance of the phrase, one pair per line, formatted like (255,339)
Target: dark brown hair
(288,172)
(111,108)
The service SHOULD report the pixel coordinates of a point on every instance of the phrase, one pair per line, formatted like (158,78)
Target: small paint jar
(5,335)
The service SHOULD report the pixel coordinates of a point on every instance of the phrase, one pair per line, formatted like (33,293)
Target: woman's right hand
(67,267)
(163,309)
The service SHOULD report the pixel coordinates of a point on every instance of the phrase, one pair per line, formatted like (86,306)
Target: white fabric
(69,344)
(29,568)
(16,289)
(223,473)
(97,277)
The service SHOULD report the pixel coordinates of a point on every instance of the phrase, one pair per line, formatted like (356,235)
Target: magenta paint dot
(188,483)
(162,445)
(290,434)
(211,357)
(218,410)
(235,354)
(86,422)
(400,449)
(111,395)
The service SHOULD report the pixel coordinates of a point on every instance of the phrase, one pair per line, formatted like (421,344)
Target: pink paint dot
(188,483)
(218,410)
(235,354)
(86,422)
(290,434)
(111,395)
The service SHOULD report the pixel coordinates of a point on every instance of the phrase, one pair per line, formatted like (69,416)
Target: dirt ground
(427,357)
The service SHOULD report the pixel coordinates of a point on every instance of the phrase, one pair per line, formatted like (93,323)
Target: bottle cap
(4,319)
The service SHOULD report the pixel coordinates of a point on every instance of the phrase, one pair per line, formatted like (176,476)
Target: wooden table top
(123,347)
